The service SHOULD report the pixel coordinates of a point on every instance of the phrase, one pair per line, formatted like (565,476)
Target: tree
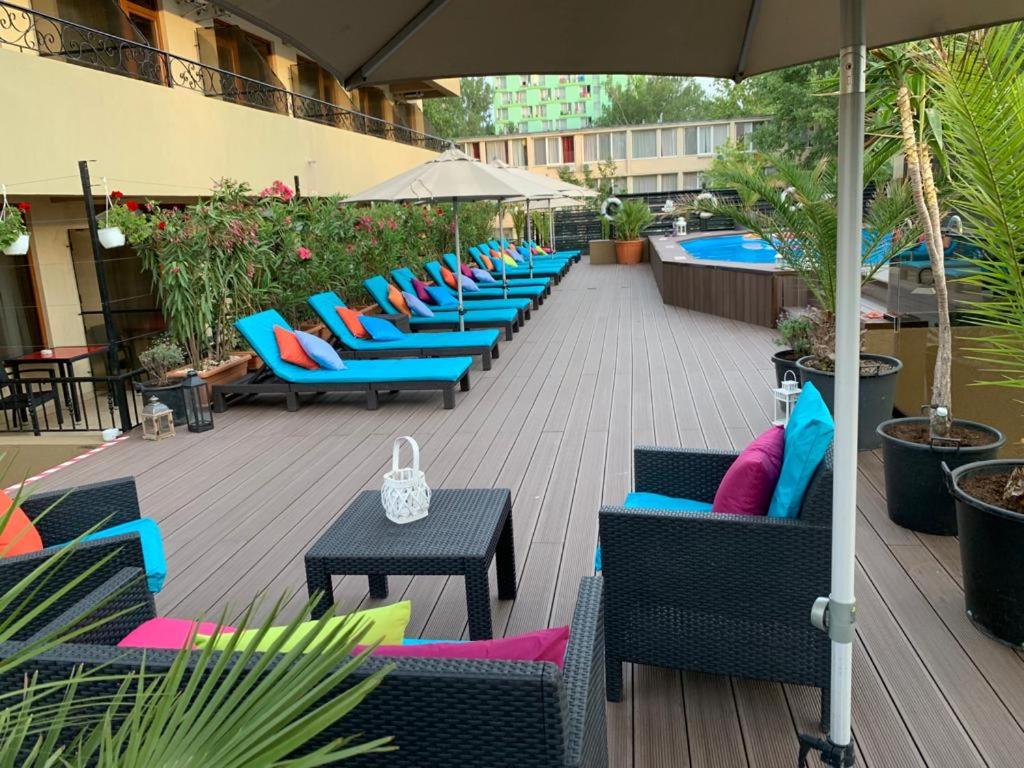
(468,114)
(654,99)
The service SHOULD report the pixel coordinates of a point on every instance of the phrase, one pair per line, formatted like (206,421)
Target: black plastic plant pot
(784,361)
(915,485)
(991,556)
(877,393)
(168,394)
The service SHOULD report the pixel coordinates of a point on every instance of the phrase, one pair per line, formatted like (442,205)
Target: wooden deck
(602,366)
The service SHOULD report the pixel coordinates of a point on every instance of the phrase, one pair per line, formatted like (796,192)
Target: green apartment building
(533,103)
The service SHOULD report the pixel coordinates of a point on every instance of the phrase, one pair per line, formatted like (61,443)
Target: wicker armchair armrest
(680,472)
(116,607)
(63,515)
(583,677)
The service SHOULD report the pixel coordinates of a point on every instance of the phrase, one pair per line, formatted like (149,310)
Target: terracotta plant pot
(629,251)
(230,370)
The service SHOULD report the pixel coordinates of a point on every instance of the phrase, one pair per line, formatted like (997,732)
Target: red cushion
(19,536)
(748,485)
(421,290)
(351,319)
(541,645)
(169,634)
(291,350)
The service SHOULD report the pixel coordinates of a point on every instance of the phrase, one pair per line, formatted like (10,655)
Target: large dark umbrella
(366,41)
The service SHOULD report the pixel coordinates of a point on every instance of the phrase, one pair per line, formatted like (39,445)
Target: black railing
(39,400)
(31,31)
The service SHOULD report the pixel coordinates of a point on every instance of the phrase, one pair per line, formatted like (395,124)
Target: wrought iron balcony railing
(31,31)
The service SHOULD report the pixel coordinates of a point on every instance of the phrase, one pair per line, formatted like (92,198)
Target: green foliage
(633,217)
(541,223)
(468,114)
(645,99)
(129,217)
(795,332)
(161,358)
(981,98)
(518,214)
(12,225)
(476,223)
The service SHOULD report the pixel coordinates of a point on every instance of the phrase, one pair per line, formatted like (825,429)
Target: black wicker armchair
(62,516)
(441,712)
(722,594)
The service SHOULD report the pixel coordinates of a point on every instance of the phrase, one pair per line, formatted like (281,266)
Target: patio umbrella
(371,42)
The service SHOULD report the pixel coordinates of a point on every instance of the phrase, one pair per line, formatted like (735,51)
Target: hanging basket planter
(12,226)
(111,237)
(19,247)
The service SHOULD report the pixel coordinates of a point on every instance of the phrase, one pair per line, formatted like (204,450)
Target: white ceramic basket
(19,247)
(111,237)
(405,494)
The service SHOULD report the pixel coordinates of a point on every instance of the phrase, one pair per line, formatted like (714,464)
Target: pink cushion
(466,270)
(169,634)
(542,645)
(420,289)
(749,483)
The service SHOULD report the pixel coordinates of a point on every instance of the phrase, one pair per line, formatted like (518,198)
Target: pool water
(747,249)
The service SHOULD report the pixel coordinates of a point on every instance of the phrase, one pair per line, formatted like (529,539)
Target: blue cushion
(152,548)
(416,306)
(641,500)
(380,329)
(482,275)
(808,436)
(320,351)
(441,297)
(468,285)
(426,641)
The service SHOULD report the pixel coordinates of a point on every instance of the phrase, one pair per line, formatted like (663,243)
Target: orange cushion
(291,350)
(19,536)
(351,320)
(495,259)
(398,301)
(449,278)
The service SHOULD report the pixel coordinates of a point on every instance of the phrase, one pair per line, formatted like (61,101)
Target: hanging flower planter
(13,234)
(111,237)
(19,247)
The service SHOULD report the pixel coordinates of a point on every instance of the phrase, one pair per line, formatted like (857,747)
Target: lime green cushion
(388,628)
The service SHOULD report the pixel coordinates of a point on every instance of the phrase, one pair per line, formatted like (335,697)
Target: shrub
(161,358)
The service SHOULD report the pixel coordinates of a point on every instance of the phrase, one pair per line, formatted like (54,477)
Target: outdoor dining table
(64,358)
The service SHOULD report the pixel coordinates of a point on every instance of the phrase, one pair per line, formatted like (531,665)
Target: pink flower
(304,253)
(279,190)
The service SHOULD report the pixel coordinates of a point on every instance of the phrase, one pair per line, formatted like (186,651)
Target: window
(523,127)
(568,150)
(590,148)
(502,113)
(585,92)
(559,94)
(561,124)
(668,142)
(520,97)
(744,131)
(547,151)
(145,15)
(618,141)
(645,144)
(690,140)
(619,185)
(499,83)
(710,138)
(669,182)
(645,184)
(517,152)
(540,155)
(535,79)
(545,94)
(496,150)
(693,180)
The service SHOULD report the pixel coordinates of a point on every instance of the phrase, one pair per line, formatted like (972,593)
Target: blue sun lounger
(535,293)
(443,320)
(442,344)
(472,299)
(367,377)
(546,259)
(520,275)
(575,255)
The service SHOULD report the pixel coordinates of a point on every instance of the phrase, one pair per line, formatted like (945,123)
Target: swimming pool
(748,249)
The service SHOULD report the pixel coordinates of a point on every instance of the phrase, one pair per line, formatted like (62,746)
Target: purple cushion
(541,645)
(467,284)
(320,351)
(749,483)
(466,270)
(421,290)
(482,276)
(416,306)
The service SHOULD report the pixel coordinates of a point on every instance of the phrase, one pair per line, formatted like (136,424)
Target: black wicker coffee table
(464,530)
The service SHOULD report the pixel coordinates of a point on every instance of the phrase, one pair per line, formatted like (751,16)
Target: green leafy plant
(129,216)
(541,221)
(795,332)
(162,357)
(518,214)
(632,218)
(12,223)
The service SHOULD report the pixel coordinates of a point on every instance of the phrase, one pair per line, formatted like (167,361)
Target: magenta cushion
(749,483)
(541,645)
(421,290)
(466,270)
(168,634)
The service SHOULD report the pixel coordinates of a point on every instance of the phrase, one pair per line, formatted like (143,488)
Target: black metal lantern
(198,408)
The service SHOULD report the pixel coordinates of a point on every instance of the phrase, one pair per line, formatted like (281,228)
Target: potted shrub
(915,449)
(632,218)
(979,97)
(795,338)
(13,232)
(796,212)
(159,360)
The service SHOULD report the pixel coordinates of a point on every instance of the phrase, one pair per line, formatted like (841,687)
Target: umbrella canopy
(367,41)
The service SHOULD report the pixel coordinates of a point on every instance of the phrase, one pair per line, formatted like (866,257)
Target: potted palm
(13,233)
(797,214)
(632,218)
(980,97)
(916,448)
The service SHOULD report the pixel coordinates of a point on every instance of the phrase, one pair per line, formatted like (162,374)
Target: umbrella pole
(458,264)
(551,229)
(529,235)
(501,248)
(837,613)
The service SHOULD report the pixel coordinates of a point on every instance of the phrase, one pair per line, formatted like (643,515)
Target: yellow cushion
(509,260)
(388,628)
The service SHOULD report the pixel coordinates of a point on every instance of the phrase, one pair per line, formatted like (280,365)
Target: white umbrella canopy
(371,42)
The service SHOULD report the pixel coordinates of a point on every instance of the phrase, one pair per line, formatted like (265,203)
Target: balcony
(36,33)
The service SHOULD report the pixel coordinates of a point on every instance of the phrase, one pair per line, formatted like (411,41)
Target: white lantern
(157,421)
(785,398)
(405,494)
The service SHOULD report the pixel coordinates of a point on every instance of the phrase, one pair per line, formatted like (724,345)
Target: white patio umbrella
(413,39)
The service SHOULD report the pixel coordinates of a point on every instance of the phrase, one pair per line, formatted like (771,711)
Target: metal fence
(28,30)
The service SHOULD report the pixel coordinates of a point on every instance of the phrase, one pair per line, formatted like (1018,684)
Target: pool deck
(603,366)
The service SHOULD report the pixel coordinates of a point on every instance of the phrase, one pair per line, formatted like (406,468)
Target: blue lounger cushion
(380,329)
(540,270)
(642,500)
(378,288)
(325,305)
(258,330)
(152,548)
(490,290)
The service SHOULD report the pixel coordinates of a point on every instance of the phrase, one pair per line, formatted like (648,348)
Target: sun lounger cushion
(353,321)
(290,350)
(540,645)
(421,290)
(381,330)
(320,351)
(168,634)
(441,297)
(152,547)
(808,436)
(482,276)
(385,625)
(19,536)
(468,285)
(748,485)
(419,309)
(398,301)
(643,500)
